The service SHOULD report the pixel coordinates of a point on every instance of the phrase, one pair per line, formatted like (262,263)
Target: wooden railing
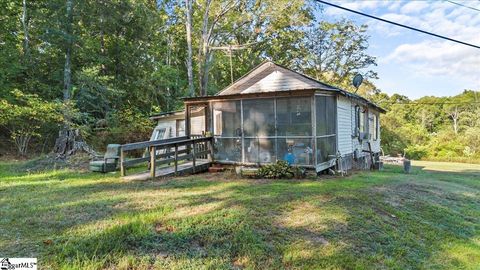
(175,150)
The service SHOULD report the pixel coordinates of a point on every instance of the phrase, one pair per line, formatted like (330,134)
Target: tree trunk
(188,6)
(26,40)
(69,140)
(454,116)
(67,71)
(204,51)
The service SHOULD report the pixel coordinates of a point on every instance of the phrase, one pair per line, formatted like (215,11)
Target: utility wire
(399,24)
(428,103)
(462,5)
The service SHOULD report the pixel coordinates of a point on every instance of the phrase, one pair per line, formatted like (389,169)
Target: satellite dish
(357,81)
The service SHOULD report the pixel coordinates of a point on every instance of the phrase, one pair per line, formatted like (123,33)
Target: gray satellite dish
(357,81)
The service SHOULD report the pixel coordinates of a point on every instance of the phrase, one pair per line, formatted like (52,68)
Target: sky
(414,64)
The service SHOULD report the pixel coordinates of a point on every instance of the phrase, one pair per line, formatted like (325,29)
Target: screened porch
(299,130)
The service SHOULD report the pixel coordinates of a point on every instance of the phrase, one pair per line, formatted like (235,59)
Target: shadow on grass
(369,220)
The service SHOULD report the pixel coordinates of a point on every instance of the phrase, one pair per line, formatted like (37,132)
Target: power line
(429,103)
(399,24)
(462,5)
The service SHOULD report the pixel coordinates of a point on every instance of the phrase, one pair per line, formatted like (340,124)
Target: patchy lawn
(429,219)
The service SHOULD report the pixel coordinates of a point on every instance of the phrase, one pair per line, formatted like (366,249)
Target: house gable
(270,77)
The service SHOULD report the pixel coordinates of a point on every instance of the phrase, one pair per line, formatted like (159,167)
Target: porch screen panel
(326,148)
(227,130)
(260,150)
(294,130)
(296,151)
(226,119)
(325,115)
(326,126)
(258,118)
(294,116)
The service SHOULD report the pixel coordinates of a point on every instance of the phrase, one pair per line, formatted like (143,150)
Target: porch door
(197,120)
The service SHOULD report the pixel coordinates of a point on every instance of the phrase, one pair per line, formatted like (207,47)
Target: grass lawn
(429,219)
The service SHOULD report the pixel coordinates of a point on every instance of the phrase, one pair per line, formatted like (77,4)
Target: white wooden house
(274,113)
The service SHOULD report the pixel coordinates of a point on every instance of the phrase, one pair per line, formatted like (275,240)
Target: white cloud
(438,58)
(424,55)
(355,5)
(414,7)
(431,56)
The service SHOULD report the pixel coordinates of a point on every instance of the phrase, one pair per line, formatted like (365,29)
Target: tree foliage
(443,128)
(26,115)
(120,61)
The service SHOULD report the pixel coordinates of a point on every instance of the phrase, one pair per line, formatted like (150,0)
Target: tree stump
(69,142)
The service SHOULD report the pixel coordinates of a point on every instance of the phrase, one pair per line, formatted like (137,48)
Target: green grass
(429,219)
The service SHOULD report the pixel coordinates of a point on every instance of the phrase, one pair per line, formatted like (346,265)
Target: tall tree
(67,71)
(188,26)
(335,51)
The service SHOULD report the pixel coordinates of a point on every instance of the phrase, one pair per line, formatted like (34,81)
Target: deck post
(153,159)
(210,142)
(122,159)
(194,153)
(176,161)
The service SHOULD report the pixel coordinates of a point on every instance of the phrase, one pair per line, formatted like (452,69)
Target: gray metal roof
(271,77)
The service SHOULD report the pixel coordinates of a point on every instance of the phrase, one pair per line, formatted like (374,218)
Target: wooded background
(104,66)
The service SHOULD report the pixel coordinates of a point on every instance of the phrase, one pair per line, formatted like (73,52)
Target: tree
(335,52)
(188,26)
(26,116)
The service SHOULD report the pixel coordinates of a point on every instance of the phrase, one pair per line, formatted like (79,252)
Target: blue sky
(415,64)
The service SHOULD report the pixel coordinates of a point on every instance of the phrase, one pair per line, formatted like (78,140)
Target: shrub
(26,115)
(416,152)
(280,169)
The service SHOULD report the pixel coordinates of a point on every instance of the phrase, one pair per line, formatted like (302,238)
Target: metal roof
(270,77)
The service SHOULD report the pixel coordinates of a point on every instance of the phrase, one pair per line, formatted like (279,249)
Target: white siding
(344,125)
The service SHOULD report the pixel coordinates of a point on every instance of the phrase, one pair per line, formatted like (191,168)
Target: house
(172,124)
(274,113)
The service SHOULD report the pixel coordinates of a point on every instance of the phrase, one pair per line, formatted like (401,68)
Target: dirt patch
(162,228)
(318,239)
(397,195)
(78,162)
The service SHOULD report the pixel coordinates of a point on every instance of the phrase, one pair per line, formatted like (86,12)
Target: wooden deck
(184,168)
(174,156)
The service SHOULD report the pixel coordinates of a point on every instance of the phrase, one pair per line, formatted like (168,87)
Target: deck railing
(168,151)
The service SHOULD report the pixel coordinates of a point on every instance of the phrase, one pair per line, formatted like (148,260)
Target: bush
(280,169)
(416,152)
(123,126)
(25,116)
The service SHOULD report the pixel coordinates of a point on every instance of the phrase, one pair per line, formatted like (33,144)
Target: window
(159,133)
(373,126)
(180,127)
(357,121)
(363,118)
(360,120)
